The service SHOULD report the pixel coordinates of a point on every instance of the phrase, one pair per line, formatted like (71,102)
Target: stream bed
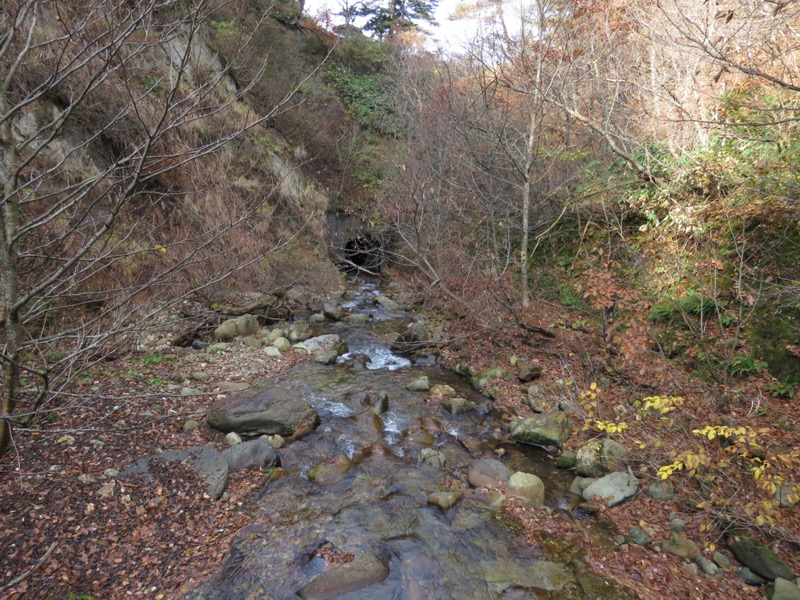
(369,532)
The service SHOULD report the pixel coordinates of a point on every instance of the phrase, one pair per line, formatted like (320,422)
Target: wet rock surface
(385,479)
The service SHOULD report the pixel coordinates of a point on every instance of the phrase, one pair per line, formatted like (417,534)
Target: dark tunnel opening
(364,251)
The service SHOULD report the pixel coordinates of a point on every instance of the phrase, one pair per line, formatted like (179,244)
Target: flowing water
(379,507)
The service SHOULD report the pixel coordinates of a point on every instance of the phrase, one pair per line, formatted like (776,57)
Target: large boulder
(758,557)
(615,488)
(238,327)
(263,412)
(549,429)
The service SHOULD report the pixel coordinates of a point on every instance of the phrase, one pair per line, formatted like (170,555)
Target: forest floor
(70,528)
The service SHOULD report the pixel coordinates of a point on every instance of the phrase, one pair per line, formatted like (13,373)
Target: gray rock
(217,348)
(690,569)
(783,590)
(252,342)
(420,384)
(588,462)
(528,371)
(276,441)
(325,343)
(189,391)
(552,428)
(412,339)
(262,412)
(272,351)
(190,425)
(429,456)
(614,488)
(200,376)
(749,577)
(252,455)
(233,328)
(707,566)
(581,483)
(639,537)
(282,344)
(444,391)
(387,303)
(331,471)
(317,318)
(678,525)
(480,381)
(458,406)
(760,559)
(786,495)
(721,560)
(526,487)
(364,571)
(613,455)
(358,318)
(444,500)
(487,472)
(332,310)
(275,334)
(327,358)
(299,331)
(661,490)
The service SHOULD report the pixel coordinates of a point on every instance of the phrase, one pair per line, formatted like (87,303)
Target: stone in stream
(420,384)
(527,487)
(487,472)
(369,423)
(416,435)
(376,401)
(386,303)
(444,500)
(327,358)
(325,343)
(263,412)
(458,406)
(412,339)
(615,488)
(550,429)
(331,470)
(332,310)
(366,570)
(760,559)
(443,390)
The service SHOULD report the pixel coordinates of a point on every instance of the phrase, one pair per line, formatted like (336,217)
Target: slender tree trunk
(9,311)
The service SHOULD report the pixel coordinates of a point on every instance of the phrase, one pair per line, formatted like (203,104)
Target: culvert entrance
(364,251)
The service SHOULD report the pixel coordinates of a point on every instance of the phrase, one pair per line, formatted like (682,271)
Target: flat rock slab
(364,571)
(210,465)
(262,412)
